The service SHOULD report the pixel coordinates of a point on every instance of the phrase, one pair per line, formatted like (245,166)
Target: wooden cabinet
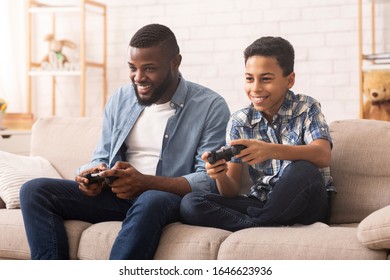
(371,59)
(15,141)
(15,133)
(55,10)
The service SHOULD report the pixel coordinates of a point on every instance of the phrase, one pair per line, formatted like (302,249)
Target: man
(288,148)
(154,133)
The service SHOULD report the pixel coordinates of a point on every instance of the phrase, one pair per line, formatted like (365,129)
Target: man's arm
(213,137)
(131,183)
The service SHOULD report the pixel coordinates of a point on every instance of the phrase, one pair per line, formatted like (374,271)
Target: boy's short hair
(153,35)
(276,47)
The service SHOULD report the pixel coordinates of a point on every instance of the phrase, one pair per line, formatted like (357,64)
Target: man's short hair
(156,35)
(275,47)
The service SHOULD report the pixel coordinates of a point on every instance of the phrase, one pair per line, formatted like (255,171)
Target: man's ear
(291,80)
(176,61)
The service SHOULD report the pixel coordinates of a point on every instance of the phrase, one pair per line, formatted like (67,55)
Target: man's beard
(157,93)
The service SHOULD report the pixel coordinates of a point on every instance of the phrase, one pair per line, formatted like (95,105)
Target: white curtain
(13,54)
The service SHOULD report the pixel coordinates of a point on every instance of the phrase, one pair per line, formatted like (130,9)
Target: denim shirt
(299,121)
(198,125)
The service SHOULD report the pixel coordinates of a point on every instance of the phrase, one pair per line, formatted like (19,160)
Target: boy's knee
(189,206)
(190,200)
(186,202)
(304,165)
(307,169)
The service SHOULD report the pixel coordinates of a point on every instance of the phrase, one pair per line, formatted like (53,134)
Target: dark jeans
(299,196)
(46,203)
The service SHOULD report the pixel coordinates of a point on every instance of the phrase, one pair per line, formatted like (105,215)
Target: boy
(288,149)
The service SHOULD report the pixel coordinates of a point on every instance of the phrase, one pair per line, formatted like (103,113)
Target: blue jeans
(46,203)
(299,196)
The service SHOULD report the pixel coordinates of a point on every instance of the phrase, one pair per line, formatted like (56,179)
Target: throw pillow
(374,230)
(16,170)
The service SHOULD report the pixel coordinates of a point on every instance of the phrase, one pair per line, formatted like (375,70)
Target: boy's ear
(291,80)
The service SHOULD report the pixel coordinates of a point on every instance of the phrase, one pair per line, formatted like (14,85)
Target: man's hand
(84,184)
(130,182)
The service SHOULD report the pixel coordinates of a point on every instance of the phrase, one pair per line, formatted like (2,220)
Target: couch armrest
(374,230)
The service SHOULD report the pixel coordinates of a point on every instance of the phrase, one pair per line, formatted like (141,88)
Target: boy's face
(265,84)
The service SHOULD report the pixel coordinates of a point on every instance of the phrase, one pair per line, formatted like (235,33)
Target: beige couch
(360,216)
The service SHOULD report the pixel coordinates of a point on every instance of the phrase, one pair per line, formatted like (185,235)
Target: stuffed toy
(376,89)
(56,56)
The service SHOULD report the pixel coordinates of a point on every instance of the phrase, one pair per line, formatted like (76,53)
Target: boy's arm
(317,152)
(226,174)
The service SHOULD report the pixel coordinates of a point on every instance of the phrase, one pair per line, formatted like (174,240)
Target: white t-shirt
(144,141)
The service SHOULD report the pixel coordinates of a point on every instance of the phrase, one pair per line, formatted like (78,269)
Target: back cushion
(67,143)
(360,168)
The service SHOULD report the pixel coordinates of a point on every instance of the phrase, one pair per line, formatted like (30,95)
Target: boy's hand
(217,169)
(256,152)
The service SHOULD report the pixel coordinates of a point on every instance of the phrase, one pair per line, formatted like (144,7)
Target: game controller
(94,178)
(225,153)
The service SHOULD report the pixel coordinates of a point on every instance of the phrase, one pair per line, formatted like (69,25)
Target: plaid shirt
(298,122)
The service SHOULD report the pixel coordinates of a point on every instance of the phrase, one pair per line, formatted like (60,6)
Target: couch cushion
(74,230)
(360,160)
(67,143)
(13,241)
(97,240)
(178,241)
(297,243)
(186,242)
(374,230)
(15,170)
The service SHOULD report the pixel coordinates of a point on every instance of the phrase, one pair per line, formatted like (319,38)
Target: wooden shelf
(53,73)
(56,9)
(371,67)
(35,9)
(366,61)
(17,121)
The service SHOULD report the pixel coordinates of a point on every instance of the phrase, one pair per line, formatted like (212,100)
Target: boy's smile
(265,84)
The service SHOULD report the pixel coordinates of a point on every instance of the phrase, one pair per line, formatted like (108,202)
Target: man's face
(153,75)
(265,84)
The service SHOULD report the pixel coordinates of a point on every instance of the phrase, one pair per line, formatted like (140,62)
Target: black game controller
(94,178)
(225,153)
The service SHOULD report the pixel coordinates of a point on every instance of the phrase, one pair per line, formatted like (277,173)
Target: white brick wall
(213,34)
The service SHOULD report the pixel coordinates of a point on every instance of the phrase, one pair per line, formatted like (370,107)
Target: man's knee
(157,201)
(156,196)
(29,189)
